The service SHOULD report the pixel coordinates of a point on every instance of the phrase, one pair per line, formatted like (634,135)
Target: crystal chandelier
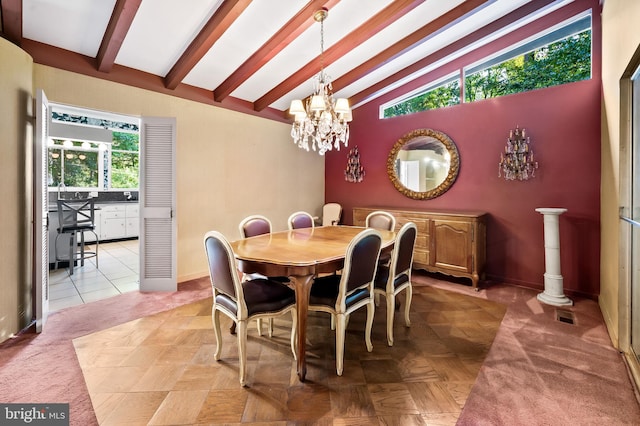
(321,122)
(517,160)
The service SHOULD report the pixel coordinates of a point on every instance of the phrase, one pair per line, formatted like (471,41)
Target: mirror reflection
(423,164)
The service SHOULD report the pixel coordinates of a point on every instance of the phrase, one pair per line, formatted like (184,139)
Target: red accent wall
(563,123)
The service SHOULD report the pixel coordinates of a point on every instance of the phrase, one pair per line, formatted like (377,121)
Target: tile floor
(117,273)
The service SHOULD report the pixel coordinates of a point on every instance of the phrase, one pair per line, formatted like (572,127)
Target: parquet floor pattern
(159,370)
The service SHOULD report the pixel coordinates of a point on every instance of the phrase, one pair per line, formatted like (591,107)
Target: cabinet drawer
(422,242)
(421,256)
(113,214)
(132,210)
(112,207)
(421,224)
(112,211)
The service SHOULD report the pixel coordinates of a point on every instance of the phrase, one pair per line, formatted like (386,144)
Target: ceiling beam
(411,41)
(219,23)
(56,57)
(487,30)
(123,13)
(377,23)
(11,13)
(289,32)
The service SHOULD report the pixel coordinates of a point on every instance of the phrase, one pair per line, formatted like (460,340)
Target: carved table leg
(302,287)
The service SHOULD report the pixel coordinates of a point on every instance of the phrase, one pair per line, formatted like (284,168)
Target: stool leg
(97,243)
(55,251)
(81,248)
(72,238)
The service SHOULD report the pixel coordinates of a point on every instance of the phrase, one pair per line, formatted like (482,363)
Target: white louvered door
(158,261)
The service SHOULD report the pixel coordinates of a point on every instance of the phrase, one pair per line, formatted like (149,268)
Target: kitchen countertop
(53,207)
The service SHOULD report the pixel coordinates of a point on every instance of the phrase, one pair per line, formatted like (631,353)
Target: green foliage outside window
(563,61)
(442,96)
(124,160)
(78,167)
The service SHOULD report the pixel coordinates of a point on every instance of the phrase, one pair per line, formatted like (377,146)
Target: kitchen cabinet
(119,220)
(450,242)
(132,225)
(113,222)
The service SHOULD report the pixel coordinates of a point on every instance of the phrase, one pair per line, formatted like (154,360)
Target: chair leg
(407,305)
(294,332)
(242,350)
(215,317)
(259,326)
(340,333)
(391,308)
(270,324)
(371,308)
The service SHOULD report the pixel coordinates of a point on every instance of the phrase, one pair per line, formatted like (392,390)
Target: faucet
(62,187)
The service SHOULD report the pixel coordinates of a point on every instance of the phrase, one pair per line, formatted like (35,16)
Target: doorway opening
(94,154)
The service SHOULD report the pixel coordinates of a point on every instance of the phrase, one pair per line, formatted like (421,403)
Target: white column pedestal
(553,284)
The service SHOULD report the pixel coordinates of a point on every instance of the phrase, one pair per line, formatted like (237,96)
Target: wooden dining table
(300,254)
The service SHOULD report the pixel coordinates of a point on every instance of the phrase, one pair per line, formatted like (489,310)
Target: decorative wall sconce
(354,171)
(517,160)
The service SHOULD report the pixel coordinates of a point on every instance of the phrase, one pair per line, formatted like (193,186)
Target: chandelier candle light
(517,160)
(321,122)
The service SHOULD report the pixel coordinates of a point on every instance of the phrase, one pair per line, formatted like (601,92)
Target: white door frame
(41,211)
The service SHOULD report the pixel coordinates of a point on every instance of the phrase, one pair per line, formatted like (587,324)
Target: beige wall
(229,165)
(620,39)
(15,175)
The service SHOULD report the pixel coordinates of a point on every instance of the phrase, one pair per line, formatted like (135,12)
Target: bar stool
(75,217)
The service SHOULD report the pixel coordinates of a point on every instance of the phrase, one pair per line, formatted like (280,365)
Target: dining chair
(380,219)
(252,226)
(331,214)
(341,295)
(243,301)
(75,217)
(299,220)
(393,278)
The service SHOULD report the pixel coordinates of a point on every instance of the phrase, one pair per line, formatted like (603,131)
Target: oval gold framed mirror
(423,164)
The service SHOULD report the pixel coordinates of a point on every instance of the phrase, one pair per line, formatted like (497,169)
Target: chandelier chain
(322,46)
(321,122)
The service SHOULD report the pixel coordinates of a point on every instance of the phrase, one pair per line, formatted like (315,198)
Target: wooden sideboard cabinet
(450,242)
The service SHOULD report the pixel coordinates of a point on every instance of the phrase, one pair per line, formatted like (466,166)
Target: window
(73,165)
(93,152)
(440,94)
(124,161)
(559,56)
(562,56)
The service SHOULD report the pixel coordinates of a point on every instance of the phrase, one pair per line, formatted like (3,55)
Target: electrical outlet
(93,194)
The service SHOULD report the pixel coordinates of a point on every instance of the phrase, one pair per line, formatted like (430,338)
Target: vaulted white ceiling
(265,52)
